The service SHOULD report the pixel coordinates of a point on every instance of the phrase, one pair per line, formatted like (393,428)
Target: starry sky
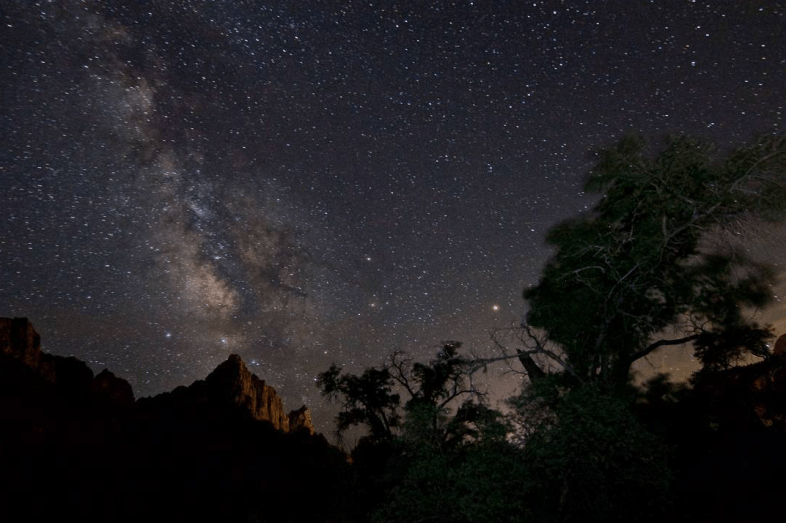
(308,182)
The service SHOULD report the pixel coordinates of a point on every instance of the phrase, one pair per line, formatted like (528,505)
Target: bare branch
(400,366)
(661,343)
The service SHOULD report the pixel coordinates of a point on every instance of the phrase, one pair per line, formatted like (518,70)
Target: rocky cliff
(78,447)
(300,419)
(20,341)
(232,383)
(110,386)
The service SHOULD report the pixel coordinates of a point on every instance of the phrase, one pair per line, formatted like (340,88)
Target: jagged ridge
(231,382)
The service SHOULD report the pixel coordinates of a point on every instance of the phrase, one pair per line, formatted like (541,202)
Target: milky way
(309,182)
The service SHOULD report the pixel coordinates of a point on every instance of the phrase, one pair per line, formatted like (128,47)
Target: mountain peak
(232,381)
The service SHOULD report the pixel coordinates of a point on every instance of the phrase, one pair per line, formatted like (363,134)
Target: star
(310,186)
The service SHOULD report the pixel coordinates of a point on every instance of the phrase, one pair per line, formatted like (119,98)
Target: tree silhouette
(594,461)
(446,457)
(367,400)
(651,266)
(651,258)
(655,264)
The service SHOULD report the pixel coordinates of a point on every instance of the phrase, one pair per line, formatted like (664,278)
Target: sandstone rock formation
(20,341)
(193,454)
(108,385)
(72,376)
(780,346)
(231,383)
(300,419)
(758,389)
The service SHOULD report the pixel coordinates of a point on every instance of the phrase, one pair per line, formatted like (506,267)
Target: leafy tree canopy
(652,265)
(441,455)
(367,399)
(371,399)
(595,462)
(648,260)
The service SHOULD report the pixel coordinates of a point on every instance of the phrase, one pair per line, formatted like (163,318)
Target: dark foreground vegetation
(657,264)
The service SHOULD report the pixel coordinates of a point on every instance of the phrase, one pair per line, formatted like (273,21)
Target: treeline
(659,254)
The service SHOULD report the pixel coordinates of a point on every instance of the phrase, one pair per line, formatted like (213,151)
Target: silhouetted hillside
(77,447)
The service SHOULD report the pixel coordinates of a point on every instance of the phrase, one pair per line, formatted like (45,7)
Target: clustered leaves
(597,463)
(641,263)
(367,400)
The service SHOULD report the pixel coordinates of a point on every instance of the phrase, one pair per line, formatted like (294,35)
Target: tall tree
(367,400)
(370,399)
(647,261)
(445,459)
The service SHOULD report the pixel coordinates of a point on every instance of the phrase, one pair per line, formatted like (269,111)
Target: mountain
(75,446)
(231,383)
(21,355)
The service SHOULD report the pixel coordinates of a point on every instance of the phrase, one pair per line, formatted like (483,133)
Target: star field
(309,182)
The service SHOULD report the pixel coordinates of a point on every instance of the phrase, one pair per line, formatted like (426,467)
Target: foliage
(728,458)
(595,462)
(642,262)
(432,388)
(444,462)
(454,466)
(653,257)
(367,399)
(480,482)
(439,381)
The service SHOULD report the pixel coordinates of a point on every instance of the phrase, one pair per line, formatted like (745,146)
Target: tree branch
(533,369)
(661,343)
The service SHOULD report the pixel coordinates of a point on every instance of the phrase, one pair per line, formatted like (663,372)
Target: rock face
(193,454)
(300,419)
(110,386)
(761,386)
(780,346)
(20,341)
(232,381)
(232,386)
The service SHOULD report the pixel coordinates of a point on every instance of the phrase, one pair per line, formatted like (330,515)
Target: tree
(594,461)
(432,388)
(479,481)
(651,266)
(448,460)
(652,258)
(367,400)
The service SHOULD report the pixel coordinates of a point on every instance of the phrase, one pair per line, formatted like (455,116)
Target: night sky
(308,182)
